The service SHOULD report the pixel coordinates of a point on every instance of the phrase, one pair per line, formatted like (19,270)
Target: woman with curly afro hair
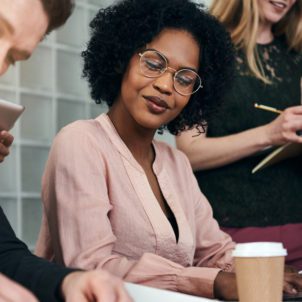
(115,198)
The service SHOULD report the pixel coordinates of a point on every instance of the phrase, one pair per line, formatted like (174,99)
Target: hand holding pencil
(286,127)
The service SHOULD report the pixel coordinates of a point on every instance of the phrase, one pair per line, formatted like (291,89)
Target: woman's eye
(154,65)
(185,81)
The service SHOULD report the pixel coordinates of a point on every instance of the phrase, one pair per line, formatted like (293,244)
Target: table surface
(140,293)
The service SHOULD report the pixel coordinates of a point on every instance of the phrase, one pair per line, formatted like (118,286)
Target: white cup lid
(259,249)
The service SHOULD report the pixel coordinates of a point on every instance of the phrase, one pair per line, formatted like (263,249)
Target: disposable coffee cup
(259,271)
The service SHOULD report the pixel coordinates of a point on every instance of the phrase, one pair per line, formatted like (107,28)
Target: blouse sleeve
(213,246)
(77,206)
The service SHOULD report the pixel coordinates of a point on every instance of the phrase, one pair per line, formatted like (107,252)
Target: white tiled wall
(54,94)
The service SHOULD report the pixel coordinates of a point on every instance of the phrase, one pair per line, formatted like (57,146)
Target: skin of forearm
(225,286)
(208,153)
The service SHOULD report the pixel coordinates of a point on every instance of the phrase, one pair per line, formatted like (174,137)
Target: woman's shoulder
(278,46)
(81,133)
(79,126)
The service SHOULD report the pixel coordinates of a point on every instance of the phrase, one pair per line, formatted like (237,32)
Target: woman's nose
(164,83)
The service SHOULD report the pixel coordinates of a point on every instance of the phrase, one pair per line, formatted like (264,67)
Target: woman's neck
(136,138)
(265,34)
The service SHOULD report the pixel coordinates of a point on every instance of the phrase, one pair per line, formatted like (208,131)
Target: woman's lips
(278,5)
(156,105)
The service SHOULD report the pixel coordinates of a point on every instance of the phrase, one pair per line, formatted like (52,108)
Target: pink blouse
(100,212)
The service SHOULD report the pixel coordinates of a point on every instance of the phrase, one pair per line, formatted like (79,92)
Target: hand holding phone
(6,139)
(9,113)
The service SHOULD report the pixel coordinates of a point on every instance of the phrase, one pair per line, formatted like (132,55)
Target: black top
(271,196)
(18,263)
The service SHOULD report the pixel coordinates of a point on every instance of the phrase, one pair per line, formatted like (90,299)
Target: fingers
(293,118)
(95,289)
(13,292)
(292,283)
(285,128)
(94,286)
(110,289)
(4,151)
(289,289)
(295,110)
(80,298)
(106,292)
(123,296)
(6,140)
(120,291)
(292,124)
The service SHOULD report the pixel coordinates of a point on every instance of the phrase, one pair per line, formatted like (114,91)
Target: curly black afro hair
(119,31)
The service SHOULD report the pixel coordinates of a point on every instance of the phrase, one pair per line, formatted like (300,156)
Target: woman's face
(273,11)
(153,102)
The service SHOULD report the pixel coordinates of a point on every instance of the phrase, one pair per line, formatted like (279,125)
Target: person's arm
(213,246)
(208,153)
(78,214)
(76,286)
(6,139)
(49,281)
(18,263)
(93,286)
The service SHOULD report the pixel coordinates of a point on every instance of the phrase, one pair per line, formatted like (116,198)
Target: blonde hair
(243,26)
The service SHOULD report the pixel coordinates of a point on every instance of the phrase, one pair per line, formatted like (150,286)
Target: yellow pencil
(267,108)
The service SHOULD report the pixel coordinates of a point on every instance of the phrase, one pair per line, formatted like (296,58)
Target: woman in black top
(267,205)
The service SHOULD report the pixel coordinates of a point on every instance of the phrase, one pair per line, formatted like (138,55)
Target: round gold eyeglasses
(153,64)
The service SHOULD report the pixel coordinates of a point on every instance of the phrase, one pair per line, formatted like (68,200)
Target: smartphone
(9,113)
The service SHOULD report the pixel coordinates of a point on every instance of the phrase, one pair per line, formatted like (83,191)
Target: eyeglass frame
(172,70)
